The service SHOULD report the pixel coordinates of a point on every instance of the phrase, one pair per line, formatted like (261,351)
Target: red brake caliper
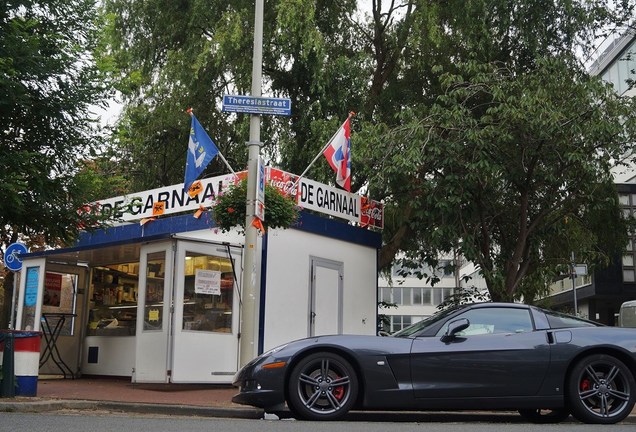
(338,392)
(585,385)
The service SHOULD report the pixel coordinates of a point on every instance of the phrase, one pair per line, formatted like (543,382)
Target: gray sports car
(486,356)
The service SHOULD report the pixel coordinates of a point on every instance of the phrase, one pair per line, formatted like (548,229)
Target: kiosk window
(208,293)
(59,299)
(155,287)
(113,301)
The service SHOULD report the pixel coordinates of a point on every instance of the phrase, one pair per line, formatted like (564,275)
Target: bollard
(21,355)
(7,388)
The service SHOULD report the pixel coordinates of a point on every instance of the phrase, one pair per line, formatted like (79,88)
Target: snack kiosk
(158,299)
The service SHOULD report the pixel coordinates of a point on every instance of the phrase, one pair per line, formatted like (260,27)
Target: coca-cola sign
(372,213)
(283,181)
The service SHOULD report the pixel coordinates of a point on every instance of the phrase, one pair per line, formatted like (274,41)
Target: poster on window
(52,289)
(207,282)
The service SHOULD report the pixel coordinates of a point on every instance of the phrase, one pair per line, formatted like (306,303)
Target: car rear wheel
(322,386)
(545,416)
(601,390)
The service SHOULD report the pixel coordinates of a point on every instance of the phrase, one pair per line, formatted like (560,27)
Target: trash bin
(20,354)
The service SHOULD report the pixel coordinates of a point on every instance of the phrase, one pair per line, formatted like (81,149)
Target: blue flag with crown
(201,150)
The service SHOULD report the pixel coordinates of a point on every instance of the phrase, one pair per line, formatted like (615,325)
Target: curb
(133,407)
(256,413)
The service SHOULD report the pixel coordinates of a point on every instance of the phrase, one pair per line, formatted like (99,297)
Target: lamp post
(251,274)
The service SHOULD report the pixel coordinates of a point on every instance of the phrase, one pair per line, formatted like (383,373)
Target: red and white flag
(338,152)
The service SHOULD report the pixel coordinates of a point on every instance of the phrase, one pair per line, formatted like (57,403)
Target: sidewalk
(119,394)
(205,400)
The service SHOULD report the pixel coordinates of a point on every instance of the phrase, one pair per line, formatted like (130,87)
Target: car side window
(493,321)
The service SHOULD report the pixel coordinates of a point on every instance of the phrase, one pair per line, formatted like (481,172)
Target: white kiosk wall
(291,254)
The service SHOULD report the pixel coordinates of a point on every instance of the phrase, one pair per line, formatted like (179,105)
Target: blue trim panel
(132,232)
(338,230)
(261,315)
(164,228)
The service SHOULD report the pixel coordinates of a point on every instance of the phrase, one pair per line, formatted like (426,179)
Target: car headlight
(273,350)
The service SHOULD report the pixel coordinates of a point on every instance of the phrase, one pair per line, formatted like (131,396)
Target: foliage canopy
(477,123)
(50,83)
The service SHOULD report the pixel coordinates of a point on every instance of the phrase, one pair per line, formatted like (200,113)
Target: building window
(620,71)
(398,322)
(406,296)
(422,296)
(628,203)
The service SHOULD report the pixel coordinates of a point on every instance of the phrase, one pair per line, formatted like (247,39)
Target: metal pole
(13,297)
(573,276)
(251,274)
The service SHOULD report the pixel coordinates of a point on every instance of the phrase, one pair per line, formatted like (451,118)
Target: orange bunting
(144,221)
(195,189)
(158,208)
(199,212)
(258,224)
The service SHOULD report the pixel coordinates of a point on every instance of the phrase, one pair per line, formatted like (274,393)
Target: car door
(499,354)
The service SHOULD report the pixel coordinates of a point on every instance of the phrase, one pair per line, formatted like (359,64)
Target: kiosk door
(206,313)
(325,308)
(153,313)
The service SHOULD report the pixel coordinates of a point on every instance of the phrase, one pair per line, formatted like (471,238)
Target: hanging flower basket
(229,210)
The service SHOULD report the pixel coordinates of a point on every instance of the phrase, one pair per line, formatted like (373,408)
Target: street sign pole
(573,275)
(251,274)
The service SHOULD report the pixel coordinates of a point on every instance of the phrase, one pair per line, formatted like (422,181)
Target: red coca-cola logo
(288,187)
(373,213)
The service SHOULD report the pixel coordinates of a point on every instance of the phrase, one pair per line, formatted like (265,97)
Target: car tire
(322,386)
(544,416)
(601,390)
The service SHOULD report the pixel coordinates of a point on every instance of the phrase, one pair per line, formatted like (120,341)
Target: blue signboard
(11,259)
(257,105)
(31,286)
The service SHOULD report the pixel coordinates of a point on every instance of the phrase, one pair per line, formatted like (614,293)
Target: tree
(50,83)
(189,54)
(522,171)
(445,153)
(404,67)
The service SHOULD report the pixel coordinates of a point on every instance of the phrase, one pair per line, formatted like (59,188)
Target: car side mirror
(455,327)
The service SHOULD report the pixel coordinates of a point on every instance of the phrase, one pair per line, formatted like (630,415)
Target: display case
(113,302)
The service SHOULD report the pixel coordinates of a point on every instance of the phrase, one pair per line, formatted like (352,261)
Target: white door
(325,309)
(205,332)
(152,345)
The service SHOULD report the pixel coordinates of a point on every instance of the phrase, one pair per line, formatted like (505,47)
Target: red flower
(230,210)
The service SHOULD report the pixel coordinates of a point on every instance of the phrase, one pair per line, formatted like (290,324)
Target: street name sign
(256,105)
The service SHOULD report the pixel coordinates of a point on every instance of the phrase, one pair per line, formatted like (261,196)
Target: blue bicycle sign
(11,256)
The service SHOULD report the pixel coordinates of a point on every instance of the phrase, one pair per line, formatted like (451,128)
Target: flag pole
(189,111)
(351,114)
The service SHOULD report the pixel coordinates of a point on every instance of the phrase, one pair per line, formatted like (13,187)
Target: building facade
(416,298)
(599,295)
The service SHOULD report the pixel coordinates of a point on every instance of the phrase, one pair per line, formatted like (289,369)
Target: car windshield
(426,322)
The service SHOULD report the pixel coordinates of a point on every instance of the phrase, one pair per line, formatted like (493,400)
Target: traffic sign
(256,105)
(11,259)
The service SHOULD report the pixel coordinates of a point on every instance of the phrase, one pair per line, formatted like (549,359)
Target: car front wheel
(322,386)
(601,390)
